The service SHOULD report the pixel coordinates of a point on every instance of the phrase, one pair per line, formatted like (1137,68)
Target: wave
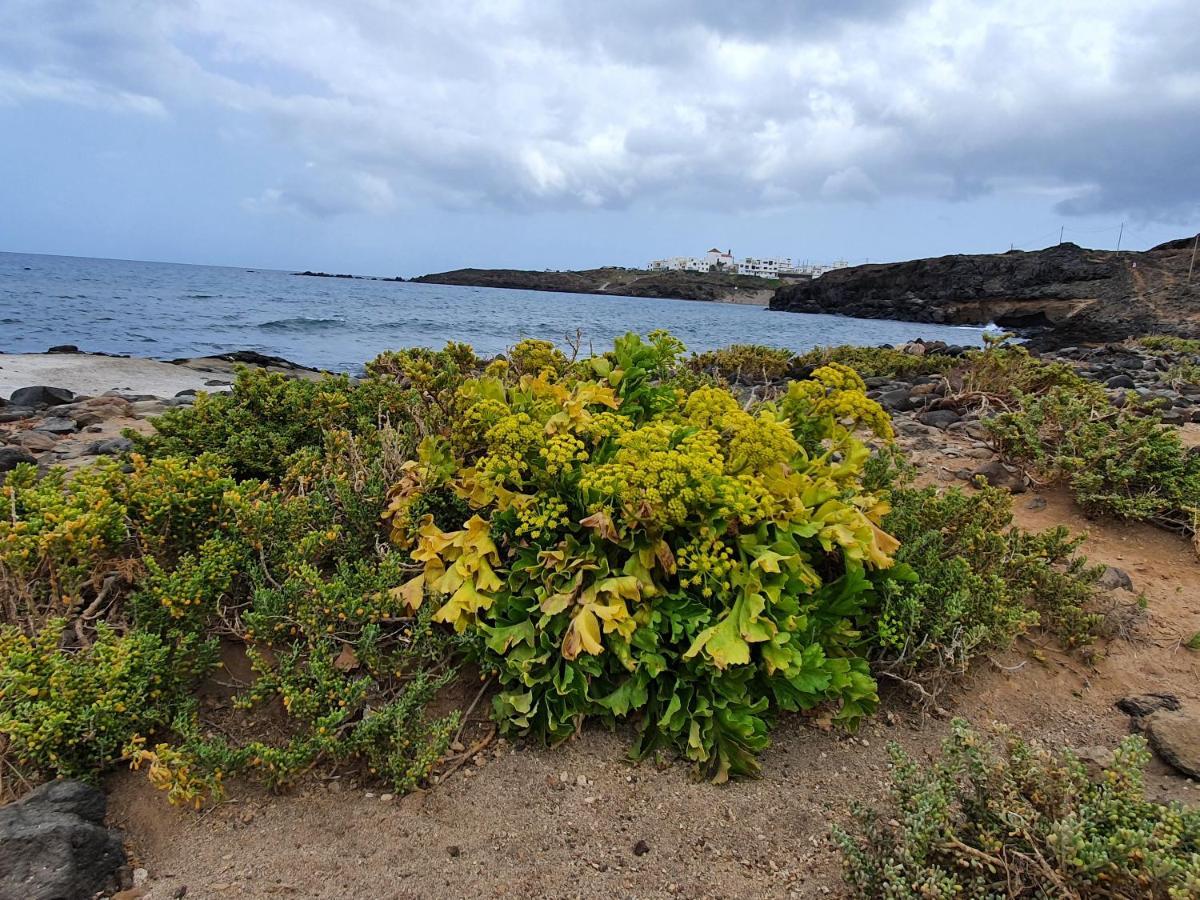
(302,323)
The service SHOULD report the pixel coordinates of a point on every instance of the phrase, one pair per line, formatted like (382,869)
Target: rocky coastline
(616,281)
(1061,295)
(64,407)
(55,413)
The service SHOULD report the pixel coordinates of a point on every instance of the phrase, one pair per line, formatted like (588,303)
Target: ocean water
(168,311)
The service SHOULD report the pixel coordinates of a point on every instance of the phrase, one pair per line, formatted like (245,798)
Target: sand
(85,373)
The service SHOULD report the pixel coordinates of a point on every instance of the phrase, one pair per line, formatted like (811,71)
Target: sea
(172,311)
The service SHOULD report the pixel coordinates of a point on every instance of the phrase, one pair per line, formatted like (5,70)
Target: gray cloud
(529,104)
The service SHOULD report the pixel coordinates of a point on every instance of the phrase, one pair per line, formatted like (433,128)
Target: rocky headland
(1067,294)
(616,281)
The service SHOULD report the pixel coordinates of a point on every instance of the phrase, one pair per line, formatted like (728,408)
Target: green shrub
(744,363)
(878,362)
(1169,344)
(269,421)
(975,582)
(1001,817)
(636,551)
(71,712)
(1116,461)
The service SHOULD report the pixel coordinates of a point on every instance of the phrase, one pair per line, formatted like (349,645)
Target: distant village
(762,266)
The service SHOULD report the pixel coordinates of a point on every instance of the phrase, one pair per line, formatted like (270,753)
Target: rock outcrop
(618,282)
(1069,293)
(54,844)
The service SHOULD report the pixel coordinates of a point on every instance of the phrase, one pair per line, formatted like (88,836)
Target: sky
(388,137)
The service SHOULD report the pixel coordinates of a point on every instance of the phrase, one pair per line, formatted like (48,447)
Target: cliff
(617,281)
(1068,293)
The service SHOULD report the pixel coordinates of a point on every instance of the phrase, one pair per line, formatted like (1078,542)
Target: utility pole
(1192,264)
(1120,235)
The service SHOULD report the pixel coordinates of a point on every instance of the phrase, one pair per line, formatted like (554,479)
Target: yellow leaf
(601,522)
(583,634)
(412,592)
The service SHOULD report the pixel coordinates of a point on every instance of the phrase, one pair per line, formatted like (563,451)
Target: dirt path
(571,822)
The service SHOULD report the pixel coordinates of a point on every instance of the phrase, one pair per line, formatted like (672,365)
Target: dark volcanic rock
(997,474)
(57,425)
(613,280)
(40,395)
(54,846)
(1145,704)
(939,418)
(1077,295)
(11,457)
(111,447)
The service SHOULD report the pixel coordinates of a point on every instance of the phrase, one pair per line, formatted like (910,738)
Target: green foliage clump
(1169,344)
(1005,374)
(744,363)
(71,711)
(1116,461)
(878,362)
(982,582)
(633,550)
(269,421)
(1004,818)
(121,579)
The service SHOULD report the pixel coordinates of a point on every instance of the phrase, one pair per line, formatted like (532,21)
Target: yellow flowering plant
(628,549)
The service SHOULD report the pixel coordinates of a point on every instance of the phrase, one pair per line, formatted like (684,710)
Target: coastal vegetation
(685,547)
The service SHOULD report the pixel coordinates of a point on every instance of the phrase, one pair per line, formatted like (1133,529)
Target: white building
(678,264)
(766,266)
(816,270)
(713,261)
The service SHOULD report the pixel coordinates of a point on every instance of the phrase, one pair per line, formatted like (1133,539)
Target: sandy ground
(530,822)
(92,374)
(85,373)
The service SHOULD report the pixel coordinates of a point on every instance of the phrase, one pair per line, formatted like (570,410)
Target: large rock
(40,395)
(1175,737)
(999,475)
(11,457)
(54,845)
(36,441)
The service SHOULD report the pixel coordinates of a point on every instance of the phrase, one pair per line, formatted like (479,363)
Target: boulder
(1114,578)
(1175,736)
(1119,382)
(898,400)
(11,457)
(1141,705)
(36,441)
(63,348)
(111,447)
(101,409)
(40,395)
(999,475)
(54,846)
(57,425)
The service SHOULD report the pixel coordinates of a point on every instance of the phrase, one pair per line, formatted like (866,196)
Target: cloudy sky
(404,136)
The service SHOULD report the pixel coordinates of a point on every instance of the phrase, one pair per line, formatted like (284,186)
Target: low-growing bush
(744,363)
(969,582)
(1000,817)
(1116,461)
(633,551)
(878,362)
(70,711)
(1169,344)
